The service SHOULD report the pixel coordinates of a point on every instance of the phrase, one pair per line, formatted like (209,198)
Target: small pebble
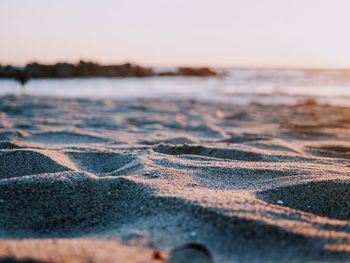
(280,202)
(157,255)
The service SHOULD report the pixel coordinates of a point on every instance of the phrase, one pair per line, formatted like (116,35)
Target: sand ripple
(94,180)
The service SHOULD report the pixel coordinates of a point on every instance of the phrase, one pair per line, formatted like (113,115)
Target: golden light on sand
(105,157)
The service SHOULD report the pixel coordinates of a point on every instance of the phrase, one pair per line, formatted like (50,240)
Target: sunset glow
(271,33)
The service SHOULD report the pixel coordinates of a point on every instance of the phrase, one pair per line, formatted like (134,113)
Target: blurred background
(265,51)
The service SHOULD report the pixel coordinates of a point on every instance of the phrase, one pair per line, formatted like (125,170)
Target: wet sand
(159,180)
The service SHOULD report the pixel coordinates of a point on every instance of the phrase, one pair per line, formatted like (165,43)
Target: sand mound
(64,138)
(102,163)
(325,198)
(26,162)
(8,145)
(65,204)
(72,204)
(243,181)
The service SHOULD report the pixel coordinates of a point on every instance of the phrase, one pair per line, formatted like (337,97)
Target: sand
(173,181)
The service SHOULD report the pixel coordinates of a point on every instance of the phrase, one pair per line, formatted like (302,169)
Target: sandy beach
(162,180)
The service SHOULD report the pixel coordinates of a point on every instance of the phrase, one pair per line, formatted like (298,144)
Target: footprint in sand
(101,163)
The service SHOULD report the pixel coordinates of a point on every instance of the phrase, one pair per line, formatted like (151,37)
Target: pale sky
(268,33)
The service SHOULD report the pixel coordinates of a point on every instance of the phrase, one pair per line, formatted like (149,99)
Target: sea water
(240,86)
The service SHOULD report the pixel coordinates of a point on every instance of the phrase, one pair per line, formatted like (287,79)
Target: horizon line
(194,65)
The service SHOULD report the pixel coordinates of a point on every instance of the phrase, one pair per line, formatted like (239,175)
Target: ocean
(239,86)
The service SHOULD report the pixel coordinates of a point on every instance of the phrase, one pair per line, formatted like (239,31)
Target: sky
(262,33)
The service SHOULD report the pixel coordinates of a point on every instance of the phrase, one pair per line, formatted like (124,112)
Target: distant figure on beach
(21,77)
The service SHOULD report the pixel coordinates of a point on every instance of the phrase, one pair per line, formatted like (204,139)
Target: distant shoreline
(91,69)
